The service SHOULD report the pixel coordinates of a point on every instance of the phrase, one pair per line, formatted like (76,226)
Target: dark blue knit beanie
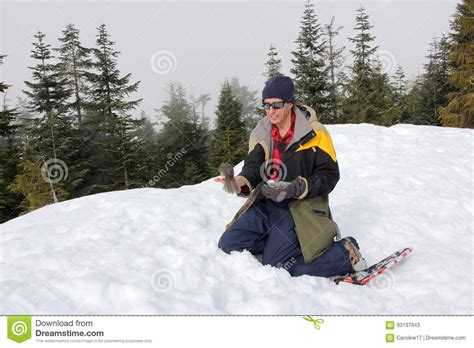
(279,87)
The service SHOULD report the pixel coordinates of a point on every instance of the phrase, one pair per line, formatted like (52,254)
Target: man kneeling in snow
(287,176)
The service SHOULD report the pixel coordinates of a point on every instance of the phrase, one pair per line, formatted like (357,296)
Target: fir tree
(460,109)
(48,93)
(51,138)
(74,63)
(399,85)
(197,156)
(229,138)
(182,146)
(382,97)
(9,156)
(114,150)
(7,115)
(436,78)
(358,107)
(399,93)
(369,94)
(24,119)
(273,64)
(413,101)
(309,68)
(432,87)
(363,52)
(335,59)
(248,100)
(109,89)
(146,132)
(203,99)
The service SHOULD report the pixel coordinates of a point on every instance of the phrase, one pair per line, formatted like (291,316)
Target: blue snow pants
(267,228)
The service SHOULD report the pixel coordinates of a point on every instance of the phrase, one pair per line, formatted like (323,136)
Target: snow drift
(154,251)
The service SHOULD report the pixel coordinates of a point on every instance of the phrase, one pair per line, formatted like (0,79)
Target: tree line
(363,92)
(73,133)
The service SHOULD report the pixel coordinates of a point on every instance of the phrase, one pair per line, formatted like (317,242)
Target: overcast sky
(201,43)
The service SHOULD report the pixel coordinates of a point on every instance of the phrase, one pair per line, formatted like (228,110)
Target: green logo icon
(19,328)
(316,322)
(389,338)
(389,325)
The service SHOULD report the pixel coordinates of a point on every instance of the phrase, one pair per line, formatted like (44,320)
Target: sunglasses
(275,106)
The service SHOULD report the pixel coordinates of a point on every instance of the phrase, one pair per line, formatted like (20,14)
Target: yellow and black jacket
(311,155)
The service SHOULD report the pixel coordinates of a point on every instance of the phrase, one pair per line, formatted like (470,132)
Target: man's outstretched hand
(239,180)
(227,171)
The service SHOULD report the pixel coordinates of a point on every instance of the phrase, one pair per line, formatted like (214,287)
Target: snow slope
(153,251)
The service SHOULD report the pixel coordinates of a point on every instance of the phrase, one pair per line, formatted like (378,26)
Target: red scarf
(279,145)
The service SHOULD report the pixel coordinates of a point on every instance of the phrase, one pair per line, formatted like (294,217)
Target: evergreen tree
(109,90)
(24,119)
(460,109)
(363,52)
(74,62)
(197,156)
(436,78)
(146,131)
(273,64)
(357,106)
(432,87)
(309,70)
(113,149)
(172,143)
(126,151)
(399,93)
(9,156)
(229,138)
(413,101)
(399,85)
(203,99)
(383,97)
(182,146)
(51,140)
(369,94)
(7,115)
(248,100)
(48,93)
(335,59)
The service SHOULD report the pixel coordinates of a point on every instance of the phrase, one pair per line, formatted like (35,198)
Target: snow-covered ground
(153,251)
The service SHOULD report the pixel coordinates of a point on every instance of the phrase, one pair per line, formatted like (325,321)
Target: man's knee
(225,243)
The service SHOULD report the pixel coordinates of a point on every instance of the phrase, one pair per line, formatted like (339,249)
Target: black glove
(281,190)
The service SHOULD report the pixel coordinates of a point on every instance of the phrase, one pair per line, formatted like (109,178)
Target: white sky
(210,41)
